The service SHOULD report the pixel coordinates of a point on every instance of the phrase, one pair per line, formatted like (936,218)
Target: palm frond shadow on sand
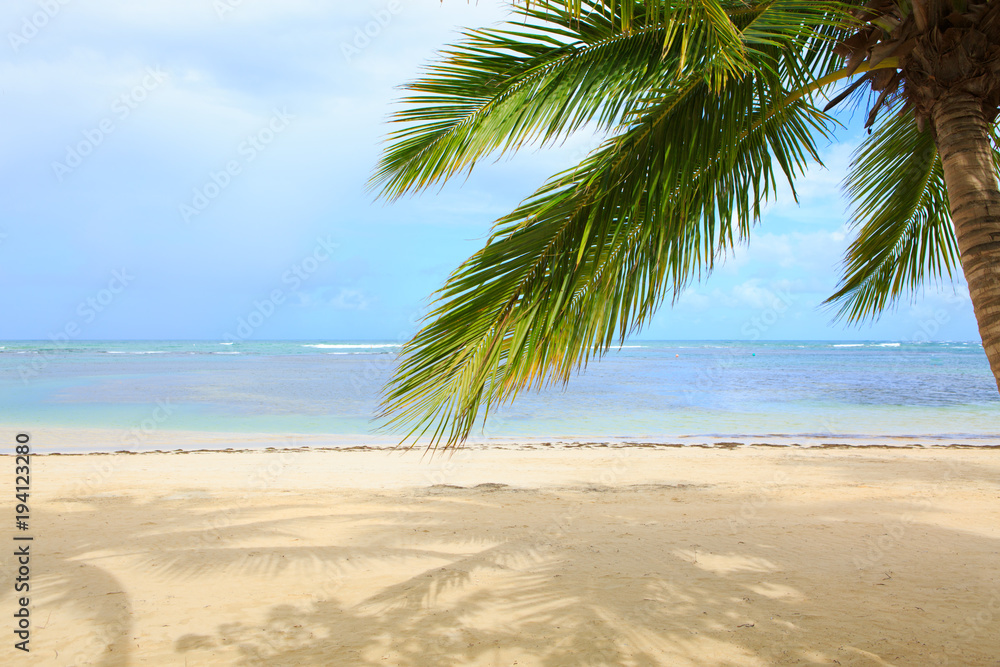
(599,587)
(479,573)
(177,541)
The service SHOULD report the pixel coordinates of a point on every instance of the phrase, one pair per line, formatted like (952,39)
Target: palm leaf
(706,104)
(906,237)
(498,90)
(589,257)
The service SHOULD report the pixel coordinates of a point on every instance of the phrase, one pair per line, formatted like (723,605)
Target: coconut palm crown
(707,106)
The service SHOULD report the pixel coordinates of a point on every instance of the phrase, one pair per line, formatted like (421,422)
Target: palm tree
(706,105)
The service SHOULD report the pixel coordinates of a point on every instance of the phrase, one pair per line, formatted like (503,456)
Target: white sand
(589,556)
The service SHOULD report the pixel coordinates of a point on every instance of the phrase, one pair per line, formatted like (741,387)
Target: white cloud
(769,254)
(340,298)
(752,294)
(350,299)
(819,190)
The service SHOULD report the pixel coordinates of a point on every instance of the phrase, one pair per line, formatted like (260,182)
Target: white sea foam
(324,346)
(889,344)
(850,345)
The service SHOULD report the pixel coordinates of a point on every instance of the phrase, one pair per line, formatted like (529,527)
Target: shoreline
(526,448)
(80,441)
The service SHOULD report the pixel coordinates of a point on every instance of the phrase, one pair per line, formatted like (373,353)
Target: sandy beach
(520,556)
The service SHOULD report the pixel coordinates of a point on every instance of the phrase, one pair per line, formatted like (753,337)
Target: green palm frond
(901,206)
(706,104)
(589,257)
(500,89)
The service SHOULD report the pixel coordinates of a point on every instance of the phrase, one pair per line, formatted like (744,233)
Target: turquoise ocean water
(651,391)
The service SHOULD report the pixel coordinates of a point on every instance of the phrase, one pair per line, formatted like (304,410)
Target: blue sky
(171,167)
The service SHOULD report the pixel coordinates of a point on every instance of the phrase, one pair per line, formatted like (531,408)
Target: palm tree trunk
(963,140)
